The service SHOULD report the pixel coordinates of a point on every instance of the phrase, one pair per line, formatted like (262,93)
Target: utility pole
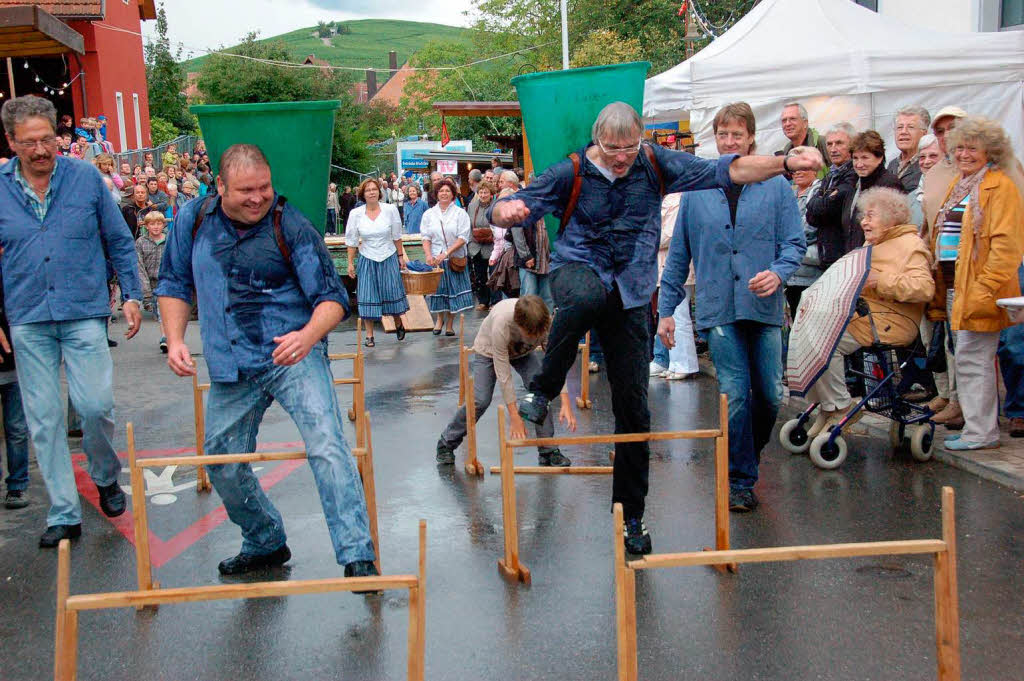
(565,34)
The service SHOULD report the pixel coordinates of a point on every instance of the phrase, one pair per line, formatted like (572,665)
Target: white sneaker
(676,375)
(656,369)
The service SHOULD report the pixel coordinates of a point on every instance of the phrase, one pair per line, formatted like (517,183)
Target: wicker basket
(421,283)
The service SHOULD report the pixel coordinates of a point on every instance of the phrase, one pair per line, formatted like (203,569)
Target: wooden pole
(60,625)
(70,647)
(140,521)
(202,479)
(473,465)
(555,470)
(722,481)
(625,602)
(583,401)
(947,617)
(509,566)
(359,399)
(370,489)
(462,360)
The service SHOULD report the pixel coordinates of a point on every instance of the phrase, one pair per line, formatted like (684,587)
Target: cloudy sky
(208,24)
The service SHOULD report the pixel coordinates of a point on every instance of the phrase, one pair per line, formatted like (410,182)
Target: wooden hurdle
(512,568)
(583,401)
(66,637)
(140,518)
(947,616)
(357,381)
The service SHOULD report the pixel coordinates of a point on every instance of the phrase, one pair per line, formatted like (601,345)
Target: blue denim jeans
(1011,364)
(748,359)
(306,391)
(82,343)
(15,437)
(531,283)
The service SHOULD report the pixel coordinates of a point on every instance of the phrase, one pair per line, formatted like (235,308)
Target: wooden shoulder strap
(204,207)
(574,195)
(282,245)
(653,160)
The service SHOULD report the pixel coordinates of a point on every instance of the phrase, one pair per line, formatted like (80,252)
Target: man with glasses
(911,125)
(604,270)
(58,226)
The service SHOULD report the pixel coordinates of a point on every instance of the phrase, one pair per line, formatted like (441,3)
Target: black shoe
(362,568)
(75,432)
(369,342)
(436,332)
(534,408)
(16,498)
(742,500)
(637,540)
(112,500)
(163,345)
(247,562)
(449,333)
(400,332)
(111,343)
(54,533)
(445,454)
(555,459)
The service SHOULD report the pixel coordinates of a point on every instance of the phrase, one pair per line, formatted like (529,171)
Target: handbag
(935,360)
(455,263)
(481,235)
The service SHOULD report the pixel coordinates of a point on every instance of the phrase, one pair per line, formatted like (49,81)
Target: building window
(1011,13)
(870,4)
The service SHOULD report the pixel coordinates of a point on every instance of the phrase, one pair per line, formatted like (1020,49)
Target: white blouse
(443,229)
(376,238)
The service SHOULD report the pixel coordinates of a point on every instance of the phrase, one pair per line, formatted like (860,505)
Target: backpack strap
(204,208)
(574,195)
(653,160)
(282,245)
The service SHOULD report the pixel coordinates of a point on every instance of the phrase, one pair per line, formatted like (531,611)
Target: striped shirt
(39,206)
(948,245)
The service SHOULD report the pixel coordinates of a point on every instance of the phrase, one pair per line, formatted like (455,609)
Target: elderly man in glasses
(604,270)
(58,227)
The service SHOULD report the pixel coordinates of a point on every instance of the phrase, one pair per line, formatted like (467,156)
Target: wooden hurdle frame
(947,615)
(510,565)
(65,661)
(140,517)
(357,381)
(473,465)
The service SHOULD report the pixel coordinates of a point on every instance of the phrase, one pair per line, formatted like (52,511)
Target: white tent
(843,63)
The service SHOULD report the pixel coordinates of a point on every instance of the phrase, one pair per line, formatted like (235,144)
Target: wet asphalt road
(868,619)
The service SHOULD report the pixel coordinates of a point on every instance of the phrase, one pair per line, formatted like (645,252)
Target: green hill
(366,45)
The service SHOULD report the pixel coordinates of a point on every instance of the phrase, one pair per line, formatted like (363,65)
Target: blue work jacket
(248,292)
(56,269)
(616,227)
(768,235)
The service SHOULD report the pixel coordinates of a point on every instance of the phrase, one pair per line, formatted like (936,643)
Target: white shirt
(374,238)
(443,229)
(397,196)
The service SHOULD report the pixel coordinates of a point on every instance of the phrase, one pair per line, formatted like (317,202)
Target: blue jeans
(1011,364)
(748,359)
(82,343)
(531,283)
(15,437)
(306,391)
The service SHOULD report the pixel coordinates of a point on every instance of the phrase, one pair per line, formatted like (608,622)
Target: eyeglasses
(32,144)
(614,151)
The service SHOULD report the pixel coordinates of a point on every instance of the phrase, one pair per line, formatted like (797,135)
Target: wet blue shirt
(248,292)
(55,269)
(616,227)
(768,235)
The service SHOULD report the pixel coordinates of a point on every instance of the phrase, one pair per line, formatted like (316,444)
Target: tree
(161,131)
(323,29)
(606,47)
(166,80)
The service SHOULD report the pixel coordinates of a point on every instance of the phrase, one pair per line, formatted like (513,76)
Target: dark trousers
(332,221)
(479,274)
(581,303)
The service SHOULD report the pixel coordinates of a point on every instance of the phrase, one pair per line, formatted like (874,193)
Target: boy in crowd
(150,247)
(506,341)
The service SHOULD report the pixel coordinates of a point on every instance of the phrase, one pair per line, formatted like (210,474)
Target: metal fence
(184,144)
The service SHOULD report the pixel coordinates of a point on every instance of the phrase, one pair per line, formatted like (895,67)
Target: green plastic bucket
(559,108)
(295,136)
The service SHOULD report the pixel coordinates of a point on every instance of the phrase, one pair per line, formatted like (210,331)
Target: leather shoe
(400,332)
(1017,427)
(112,500)
(247,562)
(362,568)
(54,533)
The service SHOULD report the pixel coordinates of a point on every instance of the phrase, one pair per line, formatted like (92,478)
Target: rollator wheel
(921,441)
(793,437)
(828,456)
(894,435)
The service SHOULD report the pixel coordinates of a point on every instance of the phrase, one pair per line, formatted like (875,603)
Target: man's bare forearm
(748,169)
(326,316)
(175,313)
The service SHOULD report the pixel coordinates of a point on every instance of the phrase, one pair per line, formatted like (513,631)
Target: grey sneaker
(445,454)
(553,458)
(16,498)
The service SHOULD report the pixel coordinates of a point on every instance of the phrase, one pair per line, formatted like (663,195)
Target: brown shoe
(1017,427)
(937,404)
(951,412)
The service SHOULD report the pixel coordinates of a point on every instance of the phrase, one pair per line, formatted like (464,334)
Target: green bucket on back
(296,138)
(560,107)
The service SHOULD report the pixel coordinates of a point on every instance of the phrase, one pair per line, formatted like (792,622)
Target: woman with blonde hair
(977,243)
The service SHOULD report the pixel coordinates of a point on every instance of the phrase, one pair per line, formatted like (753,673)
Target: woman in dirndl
(375,231)
(445,229)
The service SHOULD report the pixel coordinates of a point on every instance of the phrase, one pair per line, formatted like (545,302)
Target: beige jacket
(500,339)
(904,285)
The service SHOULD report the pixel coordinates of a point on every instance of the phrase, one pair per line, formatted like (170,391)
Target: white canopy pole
(565,34)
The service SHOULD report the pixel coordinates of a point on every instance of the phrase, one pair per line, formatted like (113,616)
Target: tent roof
(846,49)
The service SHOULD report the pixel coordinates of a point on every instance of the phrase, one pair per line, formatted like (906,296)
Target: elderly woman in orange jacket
(978,241)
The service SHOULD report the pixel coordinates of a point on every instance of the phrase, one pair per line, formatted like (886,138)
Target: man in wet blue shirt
(604,271)
(268,295)
(59,226)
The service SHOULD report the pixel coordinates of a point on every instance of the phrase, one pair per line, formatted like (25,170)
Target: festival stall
(843,63)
